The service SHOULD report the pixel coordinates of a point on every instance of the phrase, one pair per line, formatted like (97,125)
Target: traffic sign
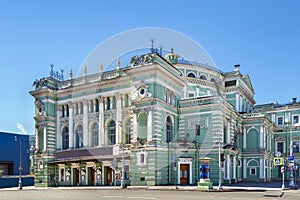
(278,161)
(291,157)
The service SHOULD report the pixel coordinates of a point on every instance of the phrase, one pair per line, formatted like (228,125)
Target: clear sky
(261,35)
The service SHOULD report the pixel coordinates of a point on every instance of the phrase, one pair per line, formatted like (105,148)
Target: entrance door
(91,176)
(75,177)
(184,174)
(109,175)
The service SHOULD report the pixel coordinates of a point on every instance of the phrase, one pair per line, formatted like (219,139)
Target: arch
(142,126)
(78,136)
(203,77)
(191,75)
(111,132)
(252,163)
(253,138)
(94,134)
(213,80)
(169,129)
(65,137)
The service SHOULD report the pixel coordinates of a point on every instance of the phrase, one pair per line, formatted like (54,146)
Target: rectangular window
(280,121)
(280,147)
(198,129)
(295,119)
(191,95)
(296,146)
(252,171)
(141,158)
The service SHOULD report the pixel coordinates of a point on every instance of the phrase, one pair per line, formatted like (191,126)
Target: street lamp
(20,164)
(123,161)
(291,157)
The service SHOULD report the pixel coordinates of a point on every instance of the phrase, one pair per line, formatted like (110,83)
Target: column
(234,168)
(120,126)
(85,124)
(58,133)
(228,132)
(245,138)
(149,123)
(71,132)
(135,126)
(228,162)
(37,137)
(65,110)
(237,99)
(245,167)
(45,137)
(101,123)
(261,137)
(262,168)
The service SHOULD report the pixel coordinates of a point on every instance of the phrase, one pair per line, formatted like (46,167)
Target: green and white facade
(168,113)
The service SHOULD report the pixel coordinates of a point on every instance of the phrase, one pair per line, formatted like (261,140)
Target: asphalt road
(141,194)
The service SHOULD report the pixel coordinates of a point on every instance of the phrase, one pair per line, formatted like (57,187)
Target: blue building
(10,153)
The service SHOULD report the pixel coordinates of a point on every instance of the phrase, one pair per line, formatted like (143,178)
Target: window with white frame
(280,147)
(295,119)
(252,171)
(141,158)
(280,121)
(296,146)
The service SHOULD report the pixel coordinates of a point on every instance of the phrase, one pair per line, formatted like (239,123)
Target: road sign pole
(282,171)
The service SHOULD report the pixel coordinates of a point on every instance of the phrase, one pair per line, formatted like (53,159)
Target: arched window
(112,133)
(191,75)
(95,135)
(65,138)
(79,137)
(169,125)
(128,132)
(213,80)
(142,128)
(202,77)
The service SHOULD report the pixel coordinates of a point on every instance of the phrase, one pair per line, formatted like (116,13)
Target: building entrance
(76,176)
(184,174)
(109,175)
(91,172)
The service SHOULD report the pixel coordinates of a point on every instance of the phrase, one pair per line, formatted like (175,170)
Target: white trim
(190,171)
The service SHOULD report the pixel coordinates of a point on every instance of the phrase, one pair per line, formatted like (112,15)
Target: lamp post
(291,157)
(123,161)
(20,164)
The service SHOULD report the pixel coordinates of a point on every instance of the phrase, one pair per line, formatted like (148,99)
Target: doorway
(109,176)
(184,174)
(91,172)
(76,176)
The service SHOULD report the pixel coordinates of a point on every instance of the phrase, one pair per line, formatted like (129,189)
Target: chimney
(294,100)
(237,67)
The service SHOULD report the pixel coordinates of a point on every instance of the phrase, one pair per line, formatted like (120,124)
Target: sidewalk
(243,186)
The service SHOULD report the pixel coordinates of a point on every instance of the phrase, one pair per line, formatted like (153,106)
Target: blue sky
(262,36)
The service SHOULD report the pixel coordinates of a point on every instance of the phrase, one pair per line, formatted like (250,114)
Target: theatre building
(168,112)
